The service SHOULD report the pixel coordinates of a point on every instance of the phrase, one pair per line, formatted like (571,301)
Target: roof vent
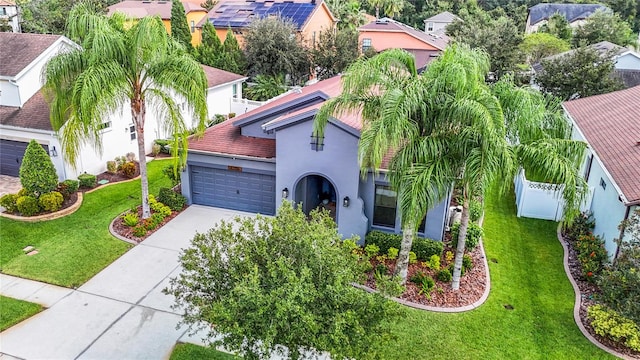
(382,21)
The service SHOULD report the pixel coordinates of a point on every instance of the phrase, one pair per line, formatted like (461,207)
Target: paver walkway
(121,312)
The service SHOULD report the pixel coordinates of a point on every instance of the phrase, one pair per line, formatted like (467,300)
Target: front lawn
(190,352)
(14,311)
(76,247)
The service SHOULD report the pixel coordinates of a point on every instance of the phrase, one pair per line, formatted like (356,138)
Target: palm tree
(393,8)
(448,126)
(377,4)
(141,67)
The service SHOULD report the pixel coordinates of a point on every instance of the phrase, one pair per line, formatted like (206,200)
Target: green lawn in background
(192,352)
(74,248)
(12,311)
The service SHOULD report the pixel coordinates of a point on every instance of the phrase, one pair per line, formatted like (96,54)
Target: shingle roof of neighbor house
(7,3)
(216,77)
(611,125)
(34,114)
(138,9)
(439,41)
(571,12)
(442,17)
(18,50)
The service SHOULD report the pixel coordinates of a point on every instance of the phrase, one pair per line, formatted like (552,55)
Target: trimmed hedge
(172,199)
(28,205)
(87,180)
(422,247)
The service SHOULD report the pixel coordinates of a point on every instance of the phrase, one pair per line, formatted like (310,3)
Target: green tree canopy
(37,174)
(284,281)
(629,11)
(540,45)
(179,26)
(604,26)
(114,68)
(50,16)
(234,59)
(582,72)
(334,51)
(349,13)
(558,26)
(209,52)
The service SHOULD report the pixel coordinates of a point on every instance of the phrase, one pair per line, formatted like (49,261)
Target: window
(317,142)
(193,26)
(3,11)
(587,170)
(104,125)
(384,208)
(132,132)
(235,91)
(313,39)
(603,184)
(429,27)
(366,44)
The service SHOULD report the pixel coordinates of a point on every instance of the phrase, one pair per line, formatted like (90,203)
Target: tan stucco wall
(393,40)
(319,21)
(196,35)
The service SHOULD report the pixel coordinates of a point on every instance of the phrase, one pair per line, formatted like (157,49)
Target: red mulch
(112,178)
(472,283)
(589,292)
(127,231)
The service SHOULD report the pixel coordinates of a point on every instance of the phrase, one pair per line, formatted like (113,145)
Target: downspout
(622,229)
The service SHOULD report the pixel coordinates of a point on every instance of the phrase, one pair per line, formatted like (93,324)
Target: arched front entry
(316,191)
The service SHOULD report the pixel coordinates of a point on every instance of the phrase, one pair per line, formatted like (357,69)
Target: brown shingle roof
(611,126)
(139,9)
(18,50)
(34,114)
(217,77)
(225,138)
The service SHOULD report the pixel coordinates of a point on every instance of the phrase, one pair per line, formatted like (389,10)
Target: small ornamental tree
(209,52)
(234,59)
(263,283)
(334,51)
(179,26)
(37,174)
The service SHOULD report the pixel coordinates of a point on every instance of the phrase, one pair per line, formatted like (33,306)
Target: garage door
(11,153)
(233,188)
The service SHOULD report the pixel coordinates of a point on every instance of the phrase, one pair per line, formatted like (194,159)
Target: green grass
(191,352)
(14,311)
(74,248)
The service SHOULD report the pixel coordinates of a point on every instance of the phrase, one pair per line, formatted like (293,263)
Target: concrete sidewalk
(121,312)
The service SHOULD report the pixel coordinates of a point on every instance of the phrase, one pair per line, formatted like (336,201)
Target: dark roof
(571,12)
(239,14)
(630,78)
(439,41)
(610,125)
(34,114)
(18,50)
(217,77)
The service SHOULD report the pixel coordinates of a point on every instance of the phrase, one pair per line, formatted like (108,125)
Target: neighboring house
(610,124)
(135,9)
(310,17)
(627,61)
(254,161)
(437,23)
(386,33)
(574,13)
(9,13)
(24,113)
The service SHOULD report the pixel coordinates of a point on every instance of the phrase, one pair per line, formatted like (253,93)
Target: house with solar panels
(309,16)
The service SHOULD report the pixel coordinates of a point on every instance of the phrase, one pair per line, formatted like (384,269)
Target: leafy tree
(558,26)
(604,26)
(209,52)
(540,45)
(5,25)
(266,87)
(377,4)
(334,51)
(233,58)
(580,73)
(179,25)
(116,67)
(208,4)
(37,174)
(629,11)
(448,126)
(282,281)
(50,16)
(273,47)
(349,13)
(393,8)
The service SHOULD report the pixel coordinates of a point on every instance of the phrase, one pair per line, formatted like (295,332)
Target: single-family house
(574,13)
(24,112)
(386,33)
(136,9)
(610,124)
(438,23)
(310,17)
(254,161)
(9,15)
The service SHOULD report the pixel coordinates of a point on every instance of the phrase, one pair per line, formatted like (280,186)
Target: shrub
(129,169)
(434,262)
(418,277)
(157,218)
(173,175)
(610,324)
(172,199)
(475,210)
(8,201)
(467,262)
(130,156)
(581,225)
(67,187)
(444,275)
(72,185)
(28,205)
(423,248)
(51,201)
(591,254)
(382,269)
(392,253)
(426,286)
(164,211)
(87,180)
(412,257)
(155,149)
(112,166)
(149,224)
(474,233)
(37,173)
(449,256)
(388,285)
(130,219)
(24,192)
(139,231)
(371,250)
(163,145)
(350,246)
(120,160)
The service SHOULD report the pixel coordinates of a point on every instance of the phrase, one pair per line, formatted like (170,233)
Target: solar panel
(241,15)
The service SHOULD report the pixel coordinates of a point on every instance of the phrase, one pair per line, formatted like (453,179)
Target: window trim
(105,126)
(366,41)
(132,132)
(395,208)
(603,184)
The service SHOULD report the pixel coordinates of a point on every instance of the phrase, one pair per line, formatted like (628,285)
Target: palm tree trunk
(462,237)
(138,111)
(402,263)
(377,12)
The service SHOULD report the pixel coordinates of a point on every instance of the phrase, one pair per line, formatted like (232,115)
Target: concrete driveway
(120,313)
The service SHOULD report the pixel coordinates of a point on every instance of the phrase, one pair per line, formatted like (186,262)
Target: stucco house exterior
(310,17)
(9,13)
(24,112)
(574,13)
(386,33)
(610,124)
(255,161)
(438,23)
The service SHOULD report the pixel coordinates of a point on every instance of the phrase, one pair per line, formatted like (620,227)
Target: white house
(437,23)
(24,113)
(610,124)
(9,13)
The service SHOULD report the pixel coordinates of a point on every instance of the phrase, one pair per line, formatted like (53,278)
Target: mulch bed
(127,231)
(472,283)
(588,294)
(67,203)
(112,178)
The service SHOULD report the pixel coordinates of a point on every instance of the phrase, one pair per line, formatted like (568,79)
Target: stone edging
(112,183)
(578,301)
(46,217)
(112,231)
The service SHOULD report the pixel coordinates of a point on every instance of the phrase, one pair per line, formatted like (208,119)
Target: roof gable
(217,77)
(34,114)
(443,17)
(19,50)
(571,12)
(439,41)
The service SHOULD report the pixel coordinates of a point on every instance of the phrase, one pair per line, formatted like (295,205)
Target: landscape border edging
(116,235)
(51,216)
